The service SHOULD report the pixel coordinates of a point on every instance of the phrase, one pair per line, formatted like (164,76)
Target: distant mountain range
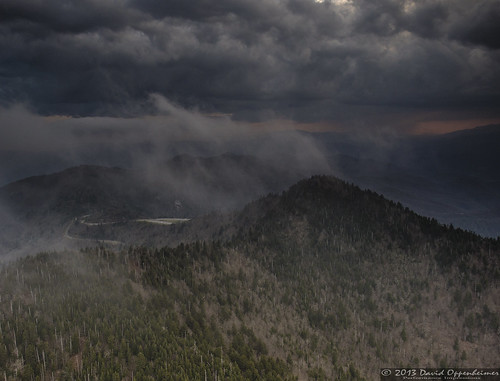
(451,177)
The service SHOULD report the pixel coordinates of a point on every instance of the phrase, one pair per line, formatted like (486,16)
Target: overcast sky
(424,66)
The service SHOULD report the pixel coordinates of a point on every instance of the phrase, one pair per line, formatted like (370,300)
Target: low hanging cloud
(144,143)
(23,130)
(301,60)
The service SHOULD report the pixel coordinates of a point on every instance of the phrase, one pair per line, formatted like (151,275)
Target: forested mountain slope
(324,281)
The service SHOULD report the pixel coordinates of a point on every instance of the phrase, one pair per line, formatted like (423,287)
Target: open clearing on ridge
(163,221)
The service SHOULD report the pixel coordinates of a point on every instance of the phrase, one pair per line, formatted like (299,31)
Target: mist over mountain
(450,177)
(201,184)
(43,208)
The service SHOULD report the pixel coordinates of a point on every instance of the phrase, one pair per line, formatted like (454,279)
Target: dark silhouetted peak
(78,190)
(325,209)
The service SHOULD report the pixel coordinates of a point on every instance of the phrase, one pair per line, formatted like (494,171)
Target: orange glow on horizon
(437,127)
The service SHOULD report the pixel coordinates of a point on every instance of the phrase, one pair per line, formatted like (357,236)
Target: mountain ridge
(321,281)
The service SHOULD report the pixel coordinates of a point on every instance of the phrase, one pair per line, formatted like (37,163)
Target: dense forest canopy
(324,281)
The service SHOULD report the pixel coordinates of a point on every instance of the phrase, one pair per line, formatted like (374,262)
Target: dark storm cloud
(479,25)
(428,19)
(297,59)
(52,16)
(198,10)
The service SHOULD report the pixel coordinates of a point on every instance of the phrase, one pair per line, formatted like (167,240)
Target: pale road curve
(71,223)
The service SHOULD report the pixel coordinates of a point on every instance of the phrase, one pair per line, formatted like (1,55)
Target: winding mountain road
(83,220)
